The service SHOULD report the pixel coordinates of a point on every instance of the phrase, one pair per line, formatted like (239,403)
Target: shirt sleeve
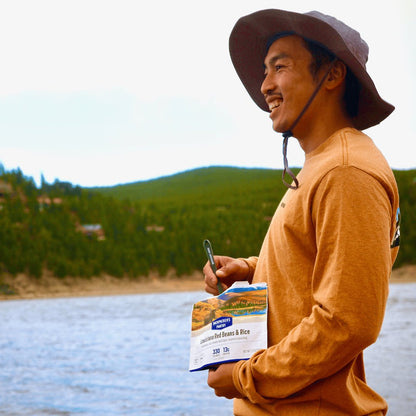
(351,213)
(251,263)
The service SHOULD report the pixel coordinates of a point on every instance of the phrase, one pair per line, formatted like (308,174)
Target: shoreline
(52,287)
(49,286)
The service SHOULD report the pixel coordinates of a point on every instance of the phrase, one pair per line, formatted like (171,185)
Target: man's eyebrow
(272,60)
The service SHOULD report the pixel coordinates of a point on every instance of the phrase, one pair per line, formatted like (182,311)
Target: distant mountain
(211,182)
(242,195)
(156,225)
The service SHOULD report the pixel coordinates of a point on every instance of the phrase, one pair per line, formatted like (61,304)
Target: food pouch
(229,327)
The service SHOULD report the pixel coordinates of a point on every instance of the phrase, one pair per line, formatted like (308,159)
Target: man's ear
(336,76)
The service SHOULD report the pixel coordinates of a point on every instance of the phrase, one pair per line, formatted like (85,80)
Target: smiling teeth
(273,106)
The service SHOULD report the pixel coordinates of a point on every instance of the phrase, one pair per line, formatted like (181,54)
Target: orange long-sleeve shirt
(327,261)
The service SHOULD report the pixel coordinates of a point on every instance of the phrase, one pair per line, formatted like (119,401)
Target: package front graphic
(229,327)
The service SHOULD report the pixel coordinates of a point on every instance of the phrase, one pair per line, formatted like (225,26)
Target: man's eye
(278,67)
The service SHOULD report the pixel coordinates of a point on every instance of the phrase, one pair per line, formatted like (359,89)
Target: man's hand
(229,270)
(221,380)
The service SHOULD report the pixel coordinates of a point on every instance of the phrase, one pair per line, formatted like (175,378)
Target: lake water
(128,355)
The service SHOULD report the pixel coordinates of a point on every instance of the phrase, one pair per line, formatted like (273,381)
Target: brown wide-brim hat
(249,42)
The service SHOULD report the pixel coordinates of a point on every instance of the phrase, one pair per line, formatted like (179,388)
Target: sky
(104,92)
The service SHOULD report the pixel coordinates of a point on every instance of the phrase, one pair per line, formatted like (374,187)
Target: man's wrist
(251,267)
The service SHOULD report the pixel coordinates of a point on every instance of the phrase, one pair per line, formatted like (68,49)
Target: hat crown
(248,47)
(352,39)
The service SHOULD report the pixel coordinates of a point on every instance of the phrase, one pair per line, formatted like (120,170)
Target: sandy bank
(50,287)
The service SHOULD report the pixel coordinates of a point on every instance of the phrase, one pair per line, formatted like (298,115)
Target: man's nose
(268,85)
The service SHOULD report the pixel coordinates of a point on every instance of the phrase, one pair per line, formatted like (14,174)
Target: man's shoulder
(349,148)
(360,151)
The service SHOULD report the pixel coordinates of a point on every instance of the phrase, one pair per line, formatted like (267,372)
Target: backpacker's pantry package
(229,327)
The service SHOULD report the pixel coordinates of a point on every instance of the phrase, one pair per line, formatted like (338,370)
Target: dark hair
(322,56)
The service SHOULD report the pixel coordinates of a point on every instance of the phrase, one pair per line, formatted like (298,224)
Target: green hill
(131,229)
(241,190)
(204,184)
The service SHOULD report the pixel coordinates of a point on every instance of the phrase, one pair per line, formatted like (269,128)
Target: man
(328,253)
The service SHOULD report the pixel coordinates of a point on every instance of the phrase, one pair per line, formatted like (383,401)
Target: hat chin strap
(288,133)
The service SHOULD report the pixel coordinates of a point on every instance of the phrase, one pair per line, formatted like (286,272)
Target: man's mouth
(273,105)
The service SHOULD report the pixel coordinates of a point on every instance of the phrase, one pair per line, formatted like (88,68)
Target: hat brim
(248,48)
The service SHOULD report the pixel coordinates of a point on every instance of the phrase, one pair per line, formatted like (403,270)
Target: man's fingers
(210,280)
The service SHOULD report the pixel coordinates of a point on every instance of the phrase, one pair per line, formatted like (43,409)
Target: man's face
(288,83)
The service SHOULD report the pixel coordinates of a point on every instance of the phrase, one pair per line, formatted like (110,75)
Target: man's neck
(312,138)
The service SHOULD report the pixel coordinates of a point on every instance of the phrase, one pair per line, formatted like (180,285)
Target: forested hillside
(129,230)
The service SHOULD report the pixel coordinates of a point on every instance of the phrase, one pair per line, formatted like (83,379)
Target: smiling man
(288,84)
(329,251)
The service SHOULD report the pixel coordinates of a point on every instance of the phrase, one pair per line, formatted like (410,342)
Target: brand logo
(222,323)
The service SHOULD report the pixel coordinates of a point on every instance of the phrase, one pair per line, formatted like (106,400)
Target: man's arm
(349,290)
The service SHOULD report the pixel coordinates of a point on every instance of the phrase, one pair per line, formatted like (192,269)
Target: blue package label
(222,323)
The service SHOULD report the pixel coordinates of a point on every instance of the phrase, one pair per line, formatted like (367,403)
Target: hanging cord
(286,169)
(288,133)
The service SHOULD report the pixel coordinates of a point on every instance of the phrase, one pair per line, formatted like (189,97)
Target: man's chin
(279,128)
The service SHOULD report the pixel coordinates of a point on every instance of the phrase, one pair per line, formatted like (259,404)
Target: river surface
(129,355)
